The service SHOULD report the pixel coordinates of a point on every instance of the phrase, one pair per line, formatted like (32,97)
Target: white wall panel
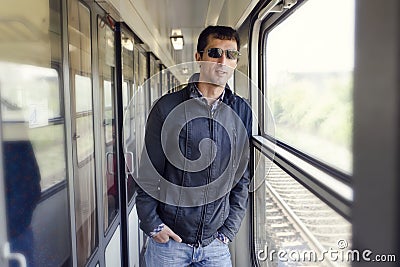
(133,238)
(113,250)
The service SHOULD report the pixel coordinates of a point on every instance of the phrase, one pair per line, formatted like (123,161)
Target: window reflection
(32,126)
(30,99)
(21,200)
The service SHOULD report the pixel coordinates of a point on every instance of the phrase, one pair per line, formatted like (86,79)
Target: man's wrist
(156,230)
(223,238)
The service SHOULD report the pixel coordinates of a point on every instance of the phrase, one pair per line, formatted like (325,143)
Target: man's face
(217,70)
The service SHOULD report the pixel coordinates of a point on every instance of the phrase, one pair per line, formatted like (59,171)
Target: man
(194,173)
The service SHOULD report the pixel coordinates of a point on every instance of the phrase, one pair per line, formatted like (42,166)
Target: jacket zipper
(203,208)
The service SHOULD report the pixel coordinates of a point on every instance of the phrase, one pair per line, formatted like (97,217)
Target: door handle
(8,255)
(129,161)
(76,136)
(110,170)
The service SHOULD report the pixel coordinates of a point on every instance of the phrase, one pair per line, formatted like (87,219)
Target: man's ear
(197,56)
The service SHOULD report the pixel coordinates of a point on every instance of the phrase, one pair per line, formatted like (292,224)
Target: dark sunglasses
(218,52)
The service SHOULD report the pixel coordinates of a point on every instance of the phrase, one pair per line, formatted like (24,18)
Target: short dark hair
(218,32)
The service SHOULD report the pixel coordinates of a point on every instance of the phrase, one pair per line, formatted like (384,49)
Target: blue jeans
(174,254)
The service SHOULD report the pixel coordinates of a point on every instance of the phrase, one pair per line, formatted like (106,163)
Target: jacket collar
(228,97)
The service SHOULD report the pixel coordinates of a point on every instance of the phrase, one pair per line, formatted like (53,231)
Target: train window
(293,227)
(80,59)
(142,68)
(106,52)
(152,83)
(30,103)
(30,86)
(128,84)
(167,85)
(84,117)
(136,66)
(164,83)
(309,62)
(129,90)
(241,81)
(140,101)
(143,76)
(108,104)
(126,89)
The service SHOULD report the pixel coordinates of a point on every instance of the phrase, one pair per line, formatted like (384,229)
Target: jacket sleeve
(152,159)
(238,197)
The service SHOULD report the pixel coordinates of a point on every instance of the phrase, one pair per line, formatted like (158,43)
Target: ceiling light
(127,43)
(177,39)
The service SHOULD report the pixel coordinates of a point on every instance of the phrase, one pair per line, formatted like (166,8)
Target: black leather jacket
(220,199)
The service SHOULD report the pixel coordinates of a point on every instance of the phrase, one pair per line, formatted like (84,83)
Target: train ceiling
(153,21)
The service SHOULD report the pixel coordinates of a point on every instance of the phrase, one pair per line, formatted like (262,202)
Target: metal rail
(293,217)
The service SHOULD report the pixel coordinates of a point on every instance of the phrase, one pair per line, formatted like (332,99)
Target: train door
(129,63)
(95,187)
(111,197)
(34,219)
(142,110)
(81,79)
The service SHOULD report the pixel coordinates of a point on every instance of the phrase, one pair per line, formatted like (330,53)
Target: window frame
(303,167)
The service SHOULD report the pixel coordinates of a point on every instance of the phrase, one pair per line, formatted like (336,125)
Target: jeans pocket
(220,242)
(160,244)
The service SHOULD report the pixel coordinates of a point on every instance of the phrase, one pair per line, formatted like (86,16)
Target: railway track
(298,222)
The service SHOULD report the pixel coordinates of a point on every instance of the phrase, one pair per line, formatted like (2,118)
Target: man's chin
(220,79)
(220,82)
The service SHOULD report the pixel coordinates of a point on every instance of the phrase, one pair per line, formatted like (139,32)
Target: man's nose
(222,59)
